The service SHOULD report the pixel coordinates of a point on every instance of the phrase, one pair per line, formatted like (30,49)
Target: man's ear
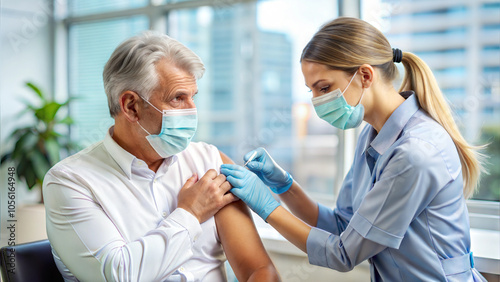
(129,105)
(367,72)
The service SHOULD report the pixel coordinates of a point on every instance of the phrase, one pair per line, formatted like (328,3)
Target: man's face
(176,90)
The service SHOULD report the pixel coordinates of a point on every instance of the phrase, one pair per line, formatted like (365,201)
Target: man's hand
(205,197)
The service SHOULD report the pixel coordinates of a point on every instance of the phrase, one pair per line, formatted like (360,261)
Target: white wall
(25,55)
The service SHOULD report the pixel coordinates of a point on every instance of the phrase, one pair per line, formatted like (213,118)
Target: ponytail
(419,78)
(347,43)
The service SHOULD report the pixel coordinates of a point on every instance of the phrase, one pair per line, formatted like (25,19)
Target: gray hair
(132,66)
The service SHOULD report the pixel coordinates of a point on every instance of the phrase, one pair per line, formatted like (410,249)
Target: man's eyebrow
(181,92)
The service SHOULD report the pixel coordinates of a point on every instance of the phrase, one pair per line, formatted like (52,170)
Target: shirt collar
(123,158)
(126,160)
(395,124)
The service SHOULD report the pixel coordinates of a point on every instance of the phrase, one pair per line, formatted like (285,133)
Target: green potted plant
(38,146)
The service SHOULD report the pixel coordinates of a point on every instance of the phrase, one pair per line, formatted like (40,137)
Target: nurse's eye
(324,89)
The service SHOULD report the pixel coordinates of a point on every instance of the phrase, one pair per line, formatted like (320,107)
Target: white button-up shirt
(109,217)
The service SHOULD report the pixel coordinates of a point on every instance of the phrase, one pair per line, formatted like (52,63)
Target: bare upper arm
(225,158)
(241,242)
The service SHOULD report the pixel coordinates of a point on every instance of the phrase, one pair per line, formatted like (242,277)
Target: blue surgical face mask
(177,129)
(333,108)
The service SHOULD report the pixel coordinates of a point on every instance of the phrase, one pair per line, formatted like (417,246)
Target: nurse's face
(322,80)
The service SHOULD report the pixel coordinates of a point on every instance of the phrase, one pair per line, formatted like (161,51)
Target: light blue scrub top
(401,205)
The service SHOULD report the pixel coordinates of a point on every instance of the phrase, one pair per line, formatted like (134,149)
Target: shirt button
(164,214)
(155,180)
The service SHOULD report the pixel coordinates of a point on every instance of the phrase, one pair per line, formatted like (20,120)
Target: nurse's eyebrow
(316,83)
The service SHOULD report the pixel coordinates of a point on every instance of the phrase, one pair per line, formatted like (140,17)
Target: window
(253,92)
(79,8)
(253,81)
(460,45)
(90,46)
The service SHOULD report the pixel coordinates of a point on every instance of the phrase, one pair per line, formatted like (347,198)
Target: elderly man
(140,205)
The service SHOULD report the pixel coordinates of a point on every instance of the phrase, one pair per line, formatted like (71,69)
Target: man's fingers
(210,174)
(191,180)
(229,198)
(221,178)
(226,186)
(195,177)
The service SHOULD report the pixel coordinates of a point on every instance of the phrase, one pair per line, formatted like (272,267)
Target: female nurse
(402,204)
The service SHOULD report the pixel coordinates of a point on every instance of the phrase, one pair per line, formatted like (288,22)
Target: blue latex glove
(249,188)
(269,171)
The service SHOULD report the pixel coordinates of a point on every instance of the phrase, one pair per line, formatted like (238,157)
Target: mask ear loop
(352,78)
(151,106)
(143,128)
(362,94)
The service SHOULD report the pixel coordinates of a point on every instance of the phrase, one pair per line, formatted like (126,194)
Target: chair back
(31,262)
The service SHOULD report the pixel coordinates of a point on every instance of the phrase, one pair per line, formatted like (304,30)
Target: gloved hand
(269,171)
(249,188)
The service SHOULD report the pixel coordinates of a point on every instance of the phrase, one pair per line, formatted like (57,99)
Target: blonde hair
(347,43)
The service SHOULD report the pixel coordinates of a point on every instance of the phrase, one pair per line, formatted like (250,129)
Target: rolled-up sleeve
(341,253)
(331,220)
(336,220)
(91,246)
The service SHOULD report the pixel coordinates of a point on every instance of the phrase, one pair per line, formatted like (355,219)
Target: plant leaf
(55,134)
(22,164)
(36,89)
(5,158)
(52,148)
(40,165)
(66,120)
(19,132)
(29,176)
(24,144)
(48,111)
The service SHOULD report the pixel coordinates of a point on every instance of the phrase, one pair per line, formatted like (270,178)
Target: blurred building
(460,41)
(245,96)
